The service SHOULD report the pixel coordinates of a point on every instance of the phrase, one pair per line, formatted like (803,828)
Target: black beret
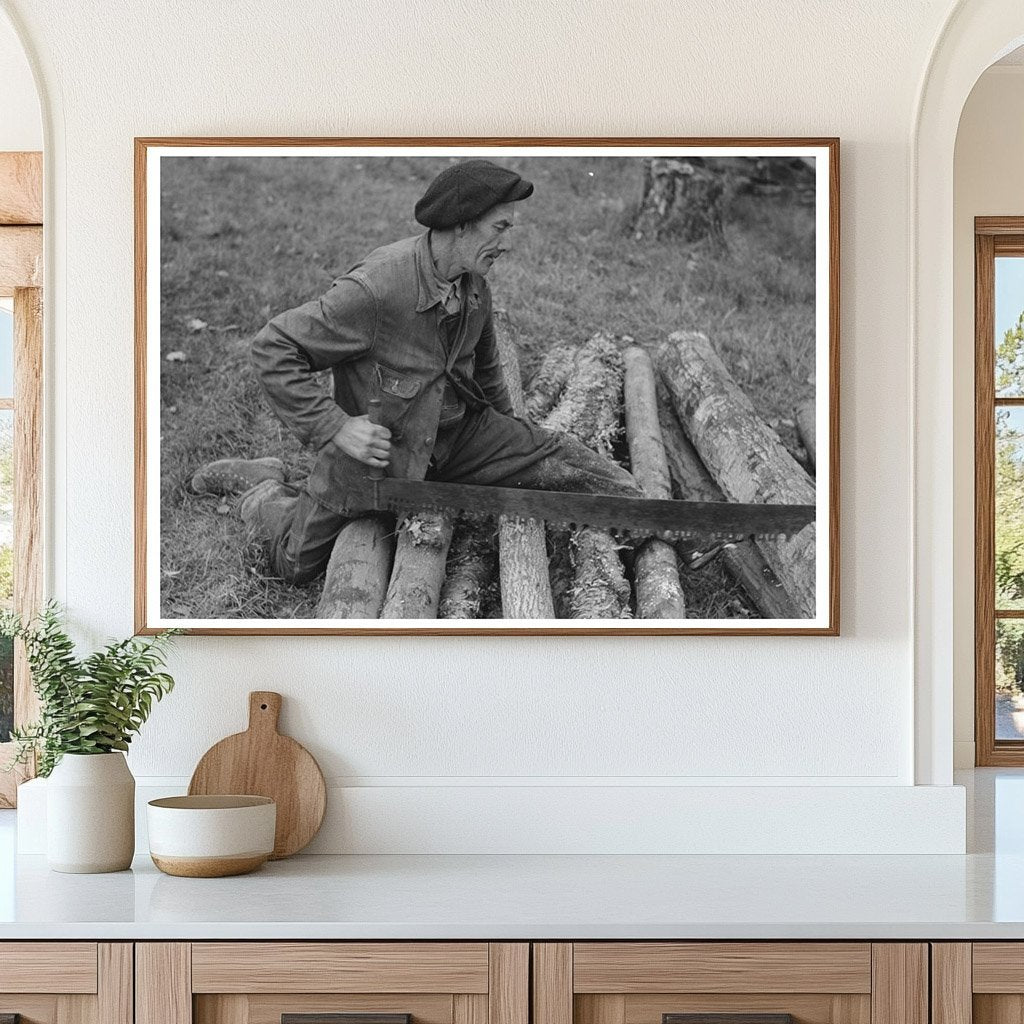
(467,190)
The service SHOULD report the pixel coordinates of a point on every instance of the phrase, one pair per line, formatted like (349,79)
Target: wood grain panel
(998,1009)
(805,1008)
(267,1009)
(984,501)
(163,983)
(595,1009)
(635,967)
(951,983)
(21,259)
(229,1009)
(998,967)
(33,1009)
(76,1009)
(21,188)
(65,967)
(339,967)
(115,983)
(468,1009)
(28,483)
(899,991)
(508,993)
(552,983)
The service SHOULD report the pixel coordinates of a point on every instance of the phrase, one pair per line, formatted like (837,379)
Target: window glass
(1009,511)
(6,353)
(1009,327)
(1009,679)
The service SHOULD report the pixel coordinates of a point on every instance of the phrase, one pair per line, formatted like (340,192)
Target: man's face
(486,239)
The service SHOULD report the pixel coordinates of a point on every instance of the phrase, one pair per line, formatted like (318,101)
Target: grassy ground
(243,239)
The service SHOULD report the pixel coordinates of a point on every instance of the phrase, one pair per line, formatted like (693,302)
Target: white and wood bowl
(211,836)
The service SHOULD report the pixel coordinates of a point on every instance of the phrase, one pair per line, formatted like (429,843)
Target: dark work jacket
(383,317)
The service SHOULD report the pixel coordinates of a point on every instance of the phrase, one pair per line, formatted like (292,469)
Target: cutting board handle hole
(263,707)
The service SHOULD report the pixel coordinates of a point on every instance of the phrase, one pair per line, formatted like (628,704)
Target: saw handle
(373,414)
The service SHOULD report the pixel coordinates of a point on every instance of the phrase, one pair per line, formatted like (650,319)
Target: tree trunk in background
(743,561)
(805,426)
(548,382)
(470,572)
(659,594)
(681,197)
(420,555)
(358,572)
(590,408)
(742,454)
(523,555)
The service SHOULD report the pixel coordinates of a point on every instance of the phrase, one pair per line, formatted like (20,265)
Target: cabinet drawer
(340,967)
(332,983)
(66,982)
(730,983)
(65,967)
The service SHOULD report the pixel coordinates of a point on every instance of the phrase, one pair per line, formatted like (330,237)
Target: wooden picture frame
(185,223)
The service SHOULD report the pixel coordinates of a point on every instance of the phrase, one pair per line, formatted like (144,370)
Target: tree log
(805,427)
(420,555)
(743,561)
(548,382)
(470,572)
(358,572)
(590,408)
(659,594)
(742,454)
(523,556)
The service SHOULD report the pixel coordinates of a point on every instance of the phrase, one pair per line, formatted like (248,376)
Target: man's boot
(233,476)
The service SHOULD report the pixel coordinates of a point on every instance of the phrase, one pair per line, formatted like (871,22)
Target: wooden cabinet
(264,982)
(979,982)
(66,982)
(758,982)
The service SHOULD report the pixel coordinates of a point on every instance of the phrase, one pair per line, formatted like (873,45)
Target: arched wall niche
(976,34)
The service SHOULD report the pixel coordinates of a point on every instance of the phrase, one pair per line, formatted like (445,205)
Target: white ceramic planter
(90,814)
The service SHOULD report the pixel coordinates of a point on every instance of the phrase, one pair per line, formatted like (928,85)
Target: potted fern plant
(90,708)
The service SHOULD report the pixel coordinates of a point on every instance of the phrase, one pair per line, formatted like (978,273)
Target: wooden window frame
(21,278)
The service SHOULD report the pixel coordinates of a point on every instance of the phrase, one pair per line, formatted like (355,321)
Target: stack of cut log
(681,424)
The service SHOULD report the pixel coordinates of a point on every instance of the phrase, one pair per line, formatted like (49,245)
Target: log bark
(357,575)
(548,382)
(743,561)
(805,427)
(471,572)
(420,555)
(742,454)
(590,408)
(659,593)
(523,556)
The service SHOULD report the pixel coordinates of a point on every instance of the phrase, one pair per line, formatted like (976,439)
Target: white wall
(21,127)
(987,182)
(440,713)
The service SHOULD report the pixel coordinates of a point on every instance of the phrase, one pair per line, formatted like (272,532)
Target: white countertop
(517,897)
(977,896)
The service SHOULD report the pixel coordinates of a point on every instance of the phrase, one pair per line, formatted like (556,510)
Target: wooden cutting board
(262,762)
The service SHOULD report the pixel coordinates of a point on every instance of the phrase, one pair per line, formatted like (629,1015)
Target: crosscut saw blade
(634,517)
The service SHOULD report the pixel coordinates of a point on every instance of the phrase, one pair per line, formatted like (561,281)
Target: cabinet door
(979,982)
(332,983)
(66,982)
(730,983)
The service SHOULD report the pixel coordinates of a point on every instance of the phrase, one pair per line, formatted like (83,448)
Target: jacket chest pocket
(398,393)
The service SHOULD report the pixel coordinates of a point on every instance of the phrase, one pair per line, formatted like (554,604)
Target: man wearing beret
(411,322)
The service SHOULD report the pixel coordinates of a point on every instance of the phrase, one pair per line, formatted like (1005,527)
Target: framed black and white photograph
(507,386)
